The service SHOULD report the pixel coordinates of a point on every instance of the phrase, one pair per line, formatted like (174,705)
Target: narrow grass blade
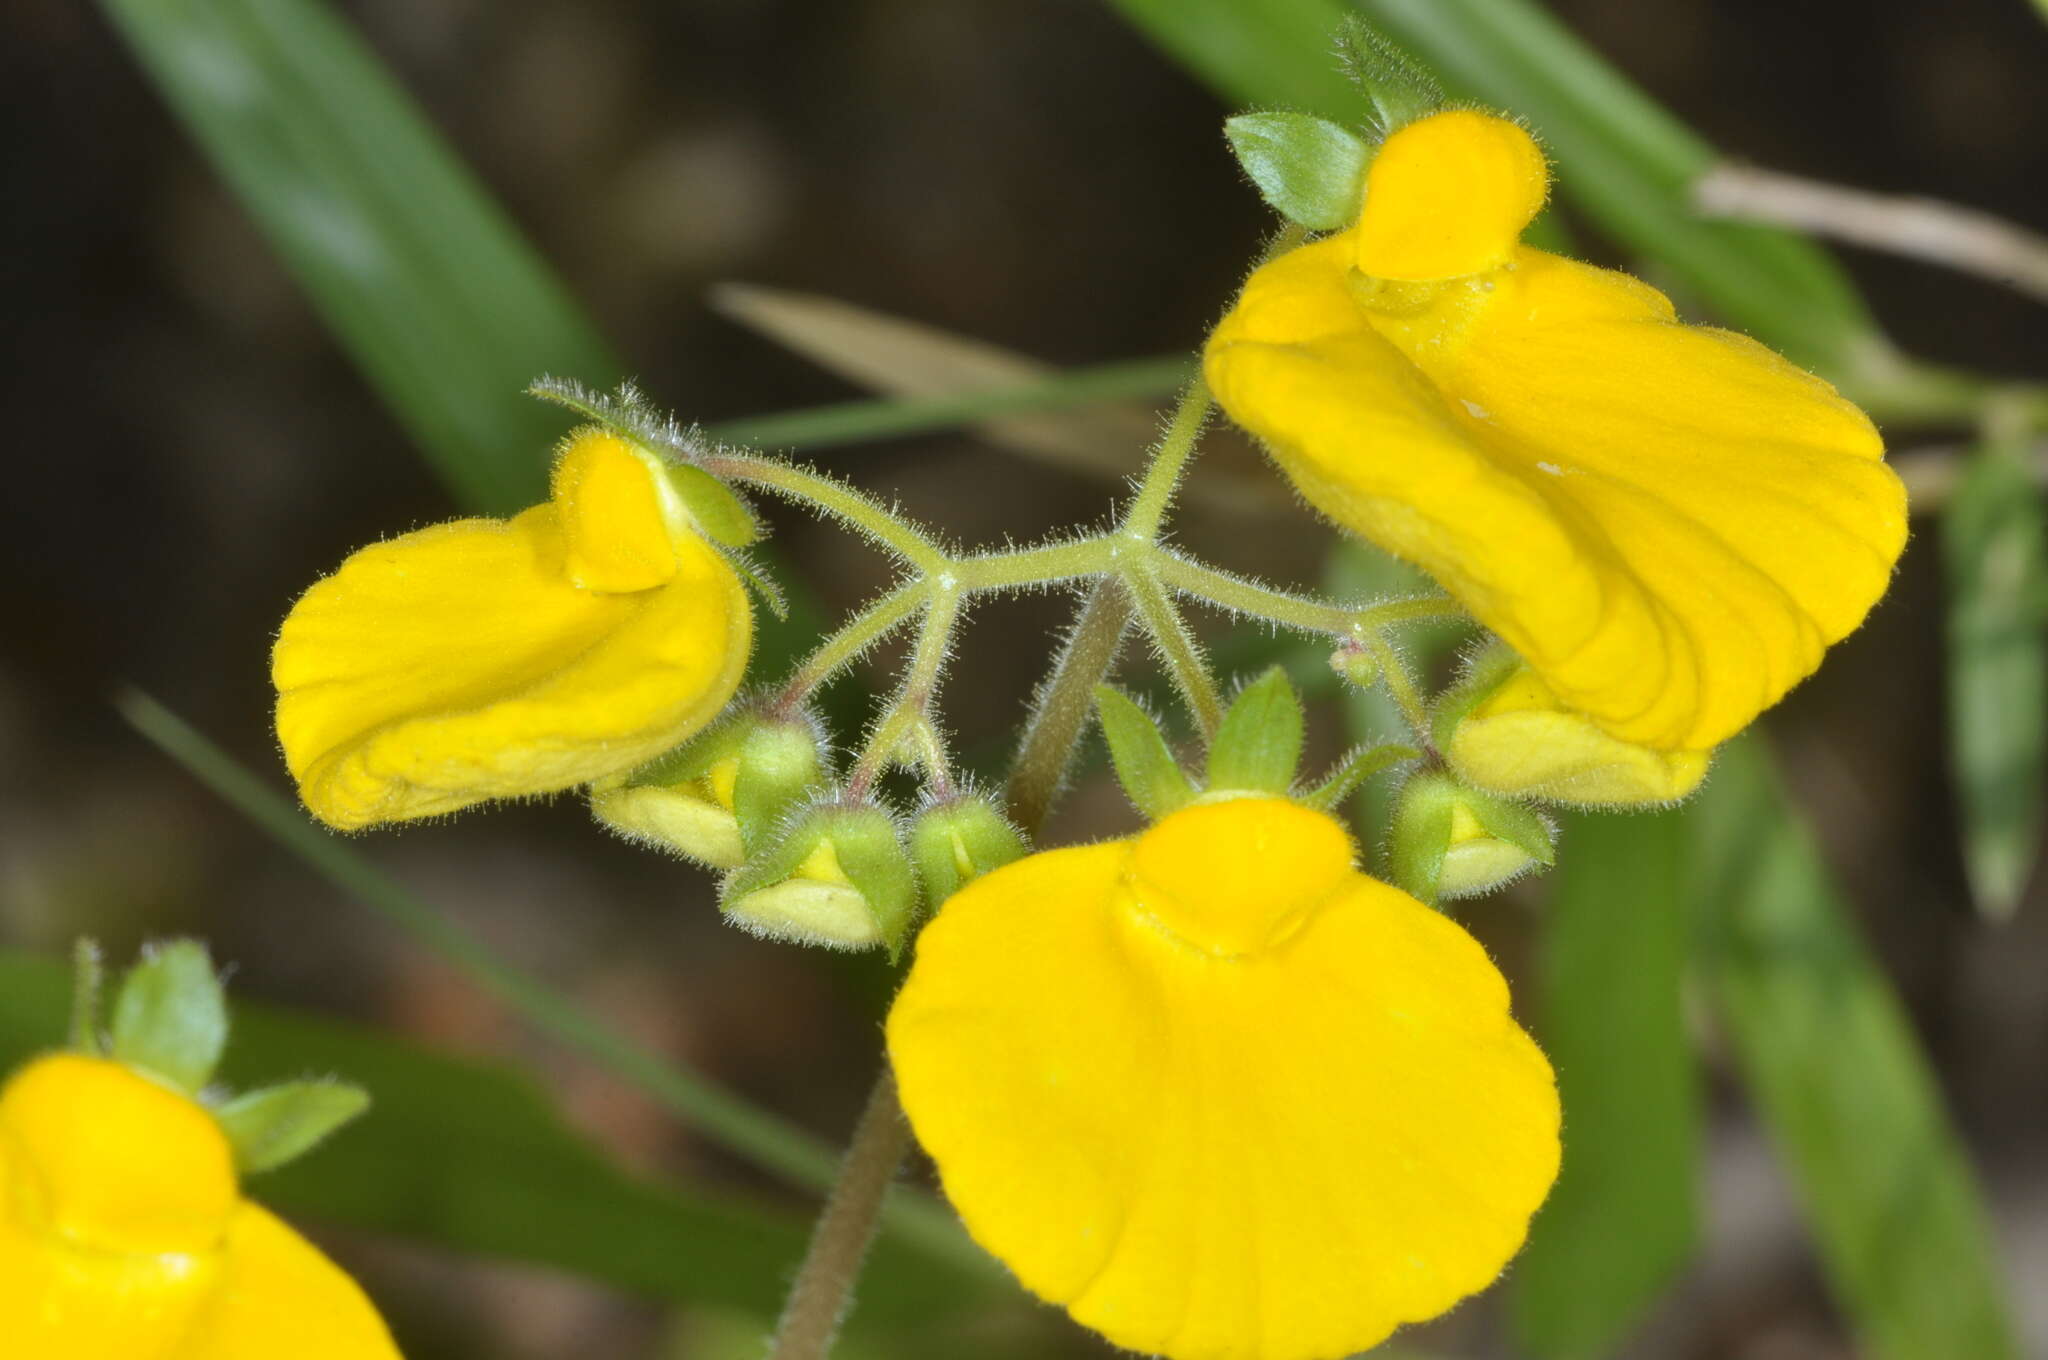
(1624,1217)
(1995,556)
(746,1130)
(1840,1080)
(471,1156)
(1263,54)
(432,291)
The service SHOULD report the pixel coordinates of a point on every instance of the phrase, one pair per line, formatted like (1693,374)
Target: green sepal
(170,1016)
(1257,747)
(1484,671)
(88,983)
(759,581)
(720,514)
(1356,666)
(1450,840)
(1152,779)
(775,763)
(1354,769)
(1307,169)
(837,877)
(1400,87)
(280,1124)
(957,841)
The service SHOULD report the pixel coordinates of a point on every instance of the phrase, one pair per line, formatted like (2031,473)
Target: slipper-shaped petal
(476,660)
(123,1237)
(1219,1094)
(1669,523)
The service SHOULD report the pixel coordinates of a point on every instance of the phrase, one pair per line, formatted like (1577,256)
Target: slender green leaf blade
(470,1156)
(1995,555)
(1839,1079)
(1624,1216)
(433,292)
(1258,53)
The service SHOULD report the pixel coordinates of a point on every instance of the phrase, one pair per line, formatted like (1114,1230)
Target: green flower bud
(720,795)
(1450,840)
(959,840)
(836,876)
(1356,665)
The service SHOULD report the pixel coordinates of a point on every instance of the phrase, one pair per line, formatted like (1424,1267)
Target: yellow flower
(1220,1094)
(498,658)
(1669,523)
(123,1235)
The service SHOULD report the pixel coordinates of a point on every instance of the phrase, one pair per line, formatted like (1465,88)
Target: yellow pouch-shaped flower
(1669,523)
(494,659)
(1221,1095)
(123,1235)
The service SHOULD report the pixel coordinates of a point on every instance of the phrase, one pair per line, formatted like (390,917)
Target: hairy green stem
(835,498)
(853,637)
(909,714)
(1065,699)
(1147,511)
(822,1293)
(1177,647)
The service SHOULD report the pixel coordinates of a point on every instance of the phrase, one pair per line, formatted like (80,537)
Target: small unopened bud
(837,876)
(1503,730)
(1356,665)
(1453,841)
(959,840)
(721,795)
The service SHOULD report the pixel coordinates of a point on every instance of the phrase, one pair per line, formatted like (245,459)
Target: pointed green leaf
(1307,169)
(88,982)
(1993,553)
(1840,1080)
(1152,779)
(434,294)
(1622,1220)
(720,514)
(280,1124)
(170,1015)
(1400,88)
(1258,745)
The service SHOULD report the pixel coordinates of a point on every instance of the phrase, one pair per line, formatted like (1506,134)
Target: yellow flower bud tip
(123,1235)
(1221,1095)
(835,875)
(488,659)
(1517,739)
(1448,196)
(688,819)
(1668,523)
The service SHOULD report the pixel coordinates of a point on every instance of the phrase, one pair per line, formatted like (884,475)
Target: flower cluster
(1212,1088)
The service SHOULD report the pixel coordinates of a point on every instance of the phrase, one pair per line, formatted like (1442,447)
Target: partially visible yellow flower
(1221,1095)
(498,658)
(123,1234)
(1669,523)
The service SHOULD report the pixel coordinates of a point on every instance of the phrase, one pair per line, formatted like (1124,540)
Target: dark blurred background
(190,450)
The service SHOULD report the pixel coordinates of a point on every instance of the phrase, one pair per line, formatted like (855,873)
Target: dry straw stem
(1961,238)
